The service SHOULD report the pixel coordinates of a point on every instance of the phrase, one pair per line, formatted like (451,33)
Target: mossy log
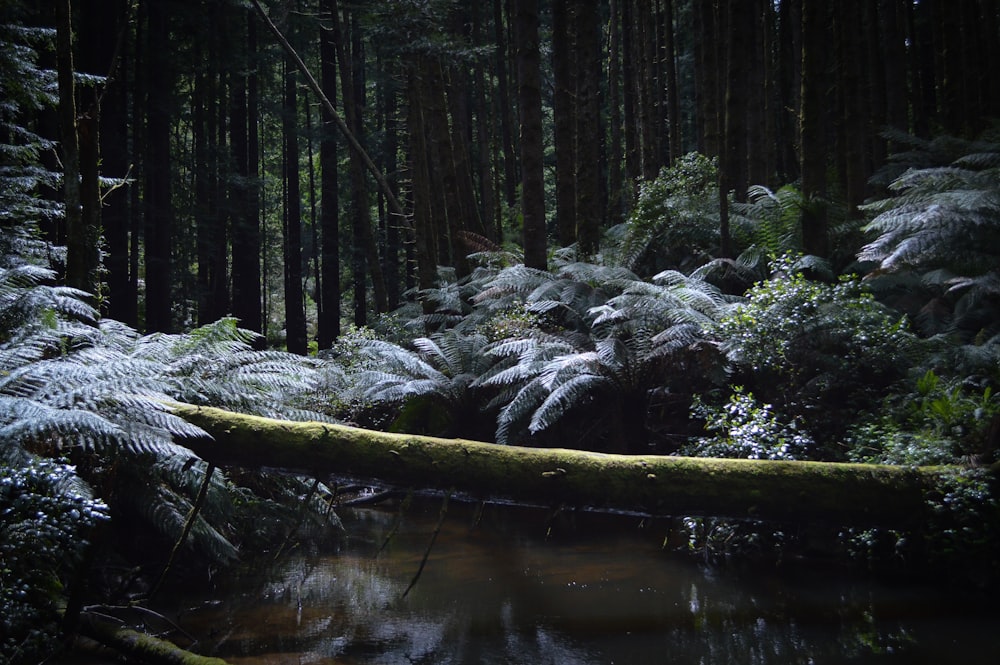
(140,647)
(847,494)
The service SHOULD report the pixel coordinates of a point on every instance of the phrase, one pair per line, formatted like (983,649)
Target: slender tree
(244,187)
(295,317)
(529,95)
(589,190)
(158,208)
(812,124)
(328,324)
(564,111)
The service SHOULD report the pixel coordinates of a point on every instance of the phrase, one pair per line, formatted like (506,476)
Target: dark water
(597,590)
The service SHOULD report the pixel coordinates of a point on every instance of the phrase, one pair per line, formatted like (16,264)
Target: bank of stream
(513,585)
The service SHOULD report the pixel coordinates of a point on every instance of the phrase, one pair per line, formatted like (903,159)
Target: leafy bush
(675,220)
(940,422)
(749,430)
(46,515)
(819,352)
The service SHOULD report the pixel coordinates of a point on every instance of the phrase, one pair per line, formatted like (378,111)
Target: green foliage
(939,422)
(964,531)
(943,225)
(24,88)
(816,351)
(746,429)
(46,516)
(71,385)
(428,389)
(675,220)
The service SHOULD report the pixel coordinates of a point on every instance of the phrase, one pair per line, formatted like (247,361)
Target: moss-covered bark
(855,494)
(140,647)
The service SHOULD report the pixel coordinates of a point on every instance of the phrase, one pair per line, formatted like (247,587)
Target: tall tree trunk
(390,112)
(892,58)
(708,74)
(105,50)
(295,316)
(425,245)
(504,50)
(588,130)
(529,96)
(813,128)
(854,108)
(789,53)
(246,289)
(82,236)
(740,45)
(616,185)
(672,94)
(564,107)
(645,48)
(329,318)
(630,95)
(158,209)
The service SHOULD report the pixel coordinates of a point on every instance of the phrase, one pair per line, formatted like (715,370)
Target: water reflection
(597,591)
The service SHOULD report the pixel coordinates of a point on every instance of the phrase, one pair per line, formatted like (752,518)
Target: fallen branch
(140,647)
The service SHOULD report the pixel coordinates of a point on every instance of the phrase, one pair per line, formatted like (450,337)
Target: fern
(943,220)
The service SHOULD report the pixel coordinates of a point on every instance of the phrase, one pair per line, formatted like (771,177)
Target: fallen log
(845,494)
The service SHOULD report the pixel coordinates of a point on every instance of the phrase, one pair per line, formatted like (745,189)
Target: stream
(513,585)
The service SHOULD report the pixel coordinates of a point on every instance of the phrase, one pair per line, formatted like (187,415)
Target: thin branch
(397,207)
(430,545)
(188,524)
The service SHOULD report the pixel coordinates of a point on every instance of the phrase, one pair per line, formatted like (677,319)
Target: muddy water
(514,588)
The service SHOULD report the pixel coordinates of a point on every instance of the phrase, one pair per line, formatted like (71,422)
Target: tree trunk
(616,185)
(158,227)
(532,148)
(587,132)
(105,34)
(295,316)
(844,494)
(504,105)
(246,291)
(82,237)
(564,107)
(329,318)
(812,123)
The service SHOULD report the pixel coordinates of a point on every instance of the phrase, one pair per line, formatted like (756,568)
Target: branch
(394,204)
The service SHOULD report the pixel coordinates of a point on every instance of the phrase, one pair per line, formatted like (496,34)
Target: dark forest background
(524,126)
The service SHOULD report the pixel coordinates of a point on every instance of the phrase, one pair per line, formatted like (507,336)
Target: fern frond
(574,392)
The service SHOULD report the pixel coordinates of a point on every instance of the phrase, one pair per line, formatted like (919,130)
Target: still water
(511,586)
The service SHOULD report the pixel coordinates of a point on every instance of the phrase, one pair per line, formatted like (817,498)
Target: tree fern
(429,387)
(943,222)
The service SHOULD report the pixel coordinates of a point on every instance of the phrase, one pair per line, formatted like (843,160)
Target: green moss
(764,489)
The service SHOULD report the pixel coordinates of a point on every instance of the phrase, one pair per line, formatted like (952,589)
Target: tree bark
(844,494)
(529,83)
(564,108)
(246,289)
(587,133)
(328,323)
(812,126)
(295,316)
(159,218)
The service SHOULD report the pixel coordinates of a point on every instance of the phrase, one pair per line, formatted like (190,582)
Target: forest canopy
(743,229)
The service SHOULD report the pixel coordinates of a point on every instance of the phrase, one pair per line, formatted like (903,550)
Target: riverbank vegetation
(628,242)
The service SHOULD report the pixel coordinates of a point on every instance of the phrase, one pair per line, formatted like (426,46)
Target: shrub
(819,352)
(46,514)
